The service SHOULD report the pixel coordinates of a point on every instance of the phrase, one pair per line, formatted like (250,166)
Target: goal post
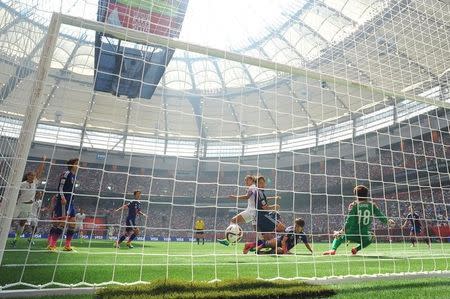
(34,108)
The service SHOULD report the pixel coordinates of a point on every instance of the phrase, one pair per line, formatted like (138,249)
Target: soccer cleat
(67,248)
(354,251)
(248,246)
(223,242)
(13,243)
(31,242)
(129,245)
(330,252)
(51,248)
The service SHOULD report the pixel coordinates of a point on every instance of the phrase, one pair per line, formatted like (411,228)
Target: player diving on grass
(284,242)
(64,208)
(416,227)
(131,230)
(267,218)
(27,200)
(358,224)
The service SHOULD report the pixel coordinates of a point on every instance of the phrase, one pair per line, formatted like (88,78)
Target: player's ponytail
(71,163)
(300,222)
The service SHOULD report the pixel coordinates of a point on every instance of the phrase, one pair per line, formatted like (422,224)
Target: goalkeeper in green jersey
(358,224)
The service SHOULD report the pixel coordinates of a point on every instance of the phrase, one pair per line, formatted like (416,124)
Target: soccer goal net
(134,132)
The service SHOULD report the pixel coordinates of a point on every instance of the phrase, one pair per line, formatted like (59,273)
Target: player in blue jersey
(287,240)
(64,208)
(131,229)
(416,230)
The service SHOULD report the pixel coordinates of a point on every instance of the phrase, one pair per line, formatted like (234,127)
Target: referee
(199,228)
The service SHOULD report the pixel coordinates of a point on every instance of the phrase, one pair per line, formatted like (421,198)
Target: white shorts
(248,215)
(33,221)
(22,211)
(78,227)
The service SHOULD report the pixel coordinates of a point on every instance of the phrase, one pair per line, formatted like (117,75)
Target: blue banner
(96,237)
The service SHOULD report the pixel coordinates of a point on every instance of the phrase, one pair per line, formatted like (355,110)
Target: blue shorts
(416,229)
(69,209)
(266,222)
(289,246)
(131,223)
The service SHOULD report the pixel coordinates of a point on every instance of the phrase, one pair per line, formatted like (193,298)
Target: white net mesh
(316,96)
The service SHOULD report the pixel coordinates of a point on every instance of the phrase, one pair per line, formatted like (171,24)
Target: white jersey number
(365,216)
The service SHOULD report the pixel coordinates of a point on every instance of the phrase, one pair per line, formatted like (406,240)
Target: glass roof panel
(233,73)
(315,19)
(17,42)
(229,25)
(5,18)
(363,10)
(177,75)
(273,46)
(286,31)
(339,7)
(205,74)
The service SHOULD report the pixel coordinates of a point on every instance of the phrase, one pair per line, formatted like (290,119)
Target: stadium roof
(225,102)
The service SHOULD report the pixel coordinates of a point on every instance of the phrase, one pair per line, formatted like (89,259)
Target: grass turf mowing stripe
(97,262)
(243,288)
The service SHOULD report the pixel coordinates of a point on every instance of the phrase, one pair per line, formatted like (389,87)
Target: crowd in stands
(319,191)
(322,214)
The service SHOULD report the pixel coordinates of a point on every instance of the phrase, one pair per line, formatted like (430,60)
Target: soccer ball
(234,233)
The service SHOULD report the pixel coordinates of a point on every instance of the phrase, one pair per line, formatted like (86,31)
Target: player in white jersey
(34,216)
(111,232)
(249,214)
(79,219)
(27,193)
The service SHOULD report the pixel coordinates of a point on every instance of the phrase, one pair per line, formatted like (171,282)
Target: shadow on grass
(243,288)
(395,285)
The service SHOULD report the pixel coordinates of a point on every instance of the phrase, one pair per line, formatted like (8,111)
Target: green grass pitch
(97,262)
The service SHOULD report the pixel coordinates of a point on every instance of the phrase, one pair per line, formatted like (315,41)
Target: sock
(69,237)
(50,236)
(57,233)
(33,231)
(336,244)
(121,239)
(203,241)
(133,236)
(261,242)
(364,243)
(19,232)
(198,241)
